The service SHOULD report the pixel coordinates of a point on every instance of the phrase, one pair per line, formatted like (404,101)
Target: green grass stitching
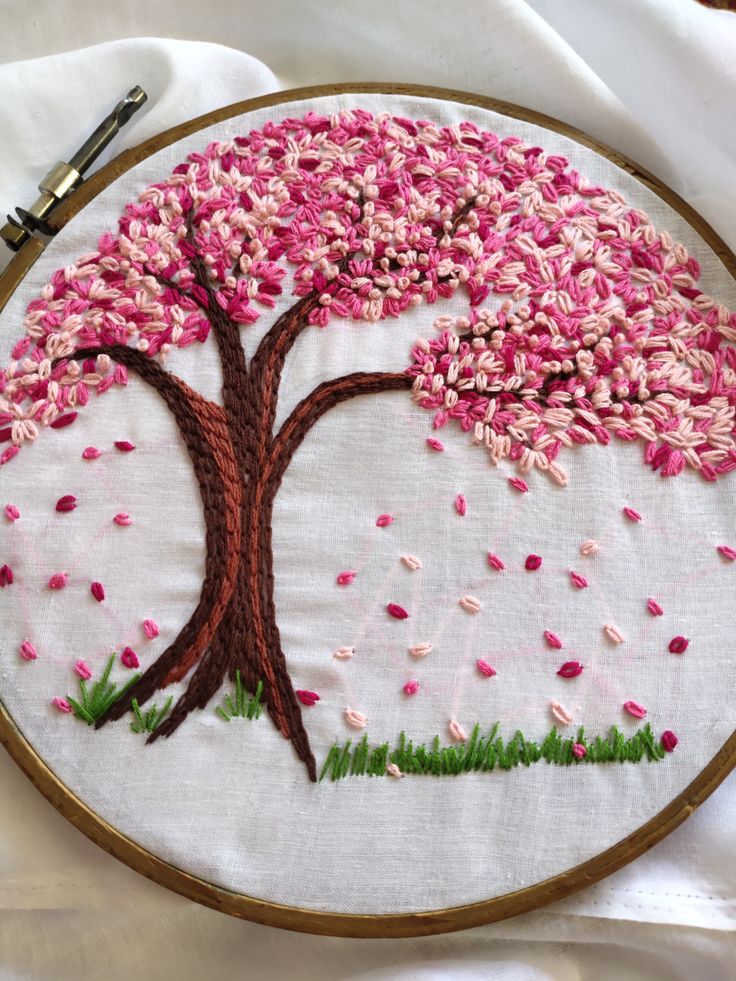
(153,717)
(242,705)
(489,752)
(94,702)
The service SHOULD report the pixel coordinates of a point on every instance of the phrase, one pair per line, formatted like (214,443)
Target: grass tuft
(152,718)
(95,701)
(241,705)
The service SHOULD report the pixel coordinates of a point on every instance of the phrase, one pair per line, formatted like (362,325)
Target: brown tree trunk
(239,465)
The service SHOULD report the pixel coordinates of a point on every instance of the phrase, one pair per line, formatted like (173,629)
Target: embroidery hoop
(340,924)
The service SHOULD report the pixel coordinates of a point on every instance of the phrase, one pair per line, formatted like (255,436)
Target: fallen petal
(343,653)
(66,503)
(727,552)
(495,563)
(27,651)
(123,519)
(570,669)
(345,578)
(124,446)
(6,576)
(631,514)
(356,719)
(669,740)
(456,731)
(150,629)
(577,580)
(383,520)
(435,444)
(518,484)
(589,547)
(533,562)
(91,453)
(485,668)
(411,687)
(470,603)
(58,580)
(98,591)
(560,713)
(420,650)
(130,658)
(461,505)
(633,708)
(11,512)
(397,611)
(307,697)
(553,640)
(613,633)
(678,645)
(411,562)
(654,608)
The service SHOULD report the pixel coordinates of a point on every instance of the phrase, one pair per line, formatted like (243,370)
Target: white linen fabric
(686,880)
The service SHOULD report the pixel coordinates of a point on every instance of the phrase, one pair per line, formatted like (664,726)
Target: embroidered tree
(597,328)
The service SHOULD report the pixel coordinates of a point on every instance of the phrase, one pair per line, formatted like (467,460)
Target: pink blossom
(579,751)
(396,611)
(130,658)
(411,687)
(485,668)
(678,645)
(59,580)
(123,519)
(66,503)
(98,591)
(346,578)
(11,512)
(383,520)
(570,669)
(83,670)
(6,576)
(61,704)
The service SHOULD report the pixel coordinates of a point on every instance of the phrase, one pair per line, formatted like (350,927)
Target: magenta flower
(130,658)
(570,669)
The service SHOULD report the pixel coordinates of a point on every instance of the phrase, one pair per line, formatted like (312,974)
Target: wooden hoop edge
(392,925)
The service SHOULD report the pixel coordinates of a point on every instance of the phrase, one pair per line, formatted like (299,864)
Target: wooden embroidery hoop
(312,921)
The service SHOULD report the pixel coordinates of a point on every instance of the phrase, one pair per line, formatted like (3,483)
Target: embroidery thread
(198,255)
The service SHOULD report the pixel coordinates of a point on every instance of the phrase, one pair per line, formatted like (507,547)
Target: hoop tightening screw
(63,178)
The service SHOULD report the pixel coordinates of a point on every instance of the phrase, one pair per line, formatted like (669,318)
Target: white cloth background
(652,80)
